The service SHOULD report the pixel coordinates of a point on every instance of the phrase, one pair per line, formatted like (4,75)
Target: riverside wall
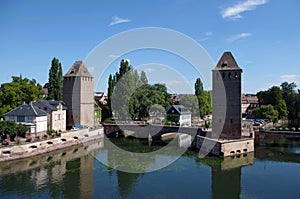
(224,148)
(66,139)
(263,138)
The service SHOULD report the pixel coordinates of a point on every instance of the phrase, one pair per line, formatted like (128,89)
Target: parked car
(77,127)
(258,122)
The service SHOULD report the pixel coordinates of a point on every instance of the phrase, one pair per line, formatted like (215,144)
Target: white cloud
(239,36)
(117,20)
(114,56)
(171,82)
(207,35)
(234,11)
(290,78)
(149,70)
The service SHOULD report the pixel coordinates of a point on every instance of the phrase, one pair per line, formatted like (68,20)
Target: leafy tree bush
(11,129)
(266,112)
(20,90)
(131,94)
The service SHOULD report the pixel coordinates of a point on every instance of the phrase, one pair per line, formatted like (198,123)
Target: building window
(223,75)
(29,119)
(229,75)
(231,121)
(236,75)
(20,118)
(11,118)
(224,64)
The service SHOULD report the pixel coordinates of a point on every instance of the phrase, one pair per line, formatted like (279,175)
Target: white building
(184,116)
(56,113)
(30,116)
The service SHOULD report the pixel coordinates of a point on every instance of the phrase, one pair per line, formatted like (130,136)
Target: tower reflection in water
(70,173)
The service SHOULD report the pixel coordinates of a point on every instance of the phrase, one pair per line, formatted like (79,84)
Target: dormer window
(224,64)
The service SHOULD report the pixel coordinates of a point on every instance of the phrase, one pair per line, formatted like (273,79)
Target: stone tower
(226,98)
(78,95)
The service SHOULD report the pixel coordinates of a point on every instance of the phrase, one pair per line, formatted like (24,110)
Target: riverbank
(36,148)
(263,138)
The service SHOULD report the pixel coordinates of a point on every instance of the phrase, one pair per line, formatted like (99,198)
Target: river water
(270,172)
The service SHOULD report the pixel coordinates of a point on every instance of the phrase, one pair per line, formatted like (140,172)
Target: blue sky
(263,35)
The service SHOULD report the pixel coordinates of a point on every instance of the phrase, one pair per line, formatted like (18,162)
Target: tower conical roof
(227,62)
(78,69)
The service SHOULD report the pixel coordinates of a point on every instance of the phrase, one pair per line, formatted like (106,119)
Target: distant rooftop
(78,69)
(26,110)
(227,62)
(50,104)
(180,109)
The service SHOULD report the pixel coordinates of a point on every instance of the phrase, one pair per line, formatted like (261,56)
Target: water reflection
(75,173)
(221,188)
(67,173)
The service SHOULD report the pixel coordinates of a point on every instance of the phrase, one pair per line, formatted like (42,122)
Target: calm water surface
(270,172)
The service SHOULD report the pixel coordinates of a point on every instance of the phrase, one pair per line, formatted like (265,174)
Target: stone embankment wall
(224,148)
(35,148)
(62,156)
(263,138)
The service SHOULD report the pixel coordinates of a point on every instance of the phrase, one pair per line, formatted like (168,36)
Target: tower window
(231,121)
(223,75)
(236,75)
(224,64)
(229,75)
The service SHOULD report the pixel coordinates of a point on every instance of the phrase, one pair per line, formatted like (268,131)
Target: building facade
(56,113)
(30,116)
(78,95)
(183,115)
(226,98)
(249,102)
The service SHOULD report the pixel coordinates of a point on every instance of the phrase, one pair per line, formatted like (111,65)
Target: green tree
(125,82)
(20,90)
(191,102)
(266,112)
(290,96)
(204,98)
(55,80)
(11,129)
(273,96)
(198,87)
(205,104)
(282,109)
(143,78)
(111,84)
(148,97)
(130,95)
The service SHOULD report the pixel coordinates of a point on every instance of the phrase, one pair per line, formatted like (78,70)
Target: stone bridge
(143,130)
